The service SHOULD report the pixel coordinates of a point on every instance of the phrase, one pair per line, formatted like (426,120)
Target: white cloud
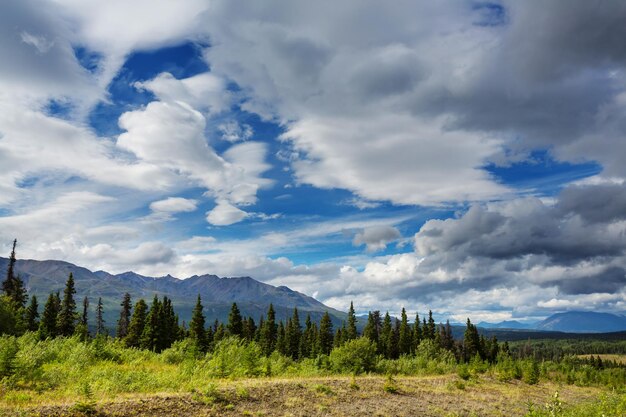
(40,43)
(376,238)
(202,91)
(235,132)
(224,214)
(174,205)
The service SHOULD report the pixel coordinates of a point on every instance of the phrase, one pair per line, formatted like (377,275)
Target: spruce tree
(471,341)
(372,328)
(338,339)
(48,323)
(249,329)
(432,328)
(99,319)
(326,334)
(124,320)
(281,343)
(169,320)
(66,319)
(32,315)
(137,324)
(394,336)
(385,336)
(293,335)
(269,332)
(404,337)
(417,331)
(235,322)
(84,318)
(307,341)
(151,336)
(13,286)
(351,332)
(197,332)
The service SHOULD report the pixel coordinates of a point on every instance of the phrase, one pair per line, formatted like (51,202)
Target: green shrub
(354,357)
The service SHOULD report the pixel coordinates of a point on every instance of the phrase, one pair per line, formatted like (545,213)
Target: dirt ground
(333,396)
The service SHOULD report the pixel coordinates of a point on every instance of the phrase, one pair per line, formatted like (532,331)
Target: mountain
(507,324)
(583,322)
(252,297)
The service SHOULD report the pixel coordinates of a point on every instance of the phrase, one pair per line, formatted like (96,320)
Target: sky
(460,156)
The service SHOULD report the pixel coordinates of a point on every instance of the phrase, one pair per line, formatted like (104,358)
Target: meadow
(68,376)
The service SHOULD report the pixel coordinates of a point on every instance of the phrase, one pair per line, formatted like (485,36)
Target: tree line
(156,326)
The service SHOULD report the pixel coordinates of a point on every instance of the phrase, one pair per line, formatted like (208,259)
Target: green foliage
(66,318)
(391,386)
(354,357)
(137,324)
(530,372)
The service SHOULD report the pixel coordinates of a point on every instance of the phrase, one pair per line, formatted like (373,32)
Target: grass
(333,396)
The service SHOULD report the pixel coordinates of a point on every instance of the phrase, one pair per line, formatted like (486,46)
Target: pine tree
(48,323)
(66,319)
(13,286)
(84,318)
(137,324)
(417,331)
(124,320)
(269,332)
(82,329)
(235,322)
(432,328)
(351,332)
(281,343)
(32,314)
(326,334)
(293,333)
(447,340)
(372,328)
(471,341)
(339,335)
(249,329)
(169,324)
(392,347)
(386,331)
(99,319)
(307,341)
(151,336)
(197,332)
(404,337)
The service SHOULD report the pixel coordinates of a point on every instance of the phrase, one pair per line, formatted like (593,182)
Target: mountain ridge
(218,293)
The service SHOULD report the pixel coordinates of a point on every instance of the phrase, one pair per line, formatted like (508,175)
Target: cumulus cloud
(376,238)
(235,132)
(174,205)
(224,214)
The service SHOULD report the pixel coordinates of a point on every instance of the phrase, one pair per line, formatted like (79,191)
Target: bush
(8,352)
(354,357)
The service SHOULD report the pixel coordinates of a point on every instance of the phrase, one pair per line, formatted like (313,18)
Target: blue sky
(460,157)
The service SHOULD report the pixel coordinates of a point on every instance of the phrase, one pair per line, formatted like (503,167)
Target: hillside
(218,294)
(583,322)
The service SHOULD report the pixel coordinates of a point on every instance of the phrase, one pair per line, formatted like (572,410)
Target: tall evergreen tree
(281,342)
(386,331)
(372,328)
(99,317)
(32,315)
(249,329)
(307,341)
(447,340)
(137,324)
(13,286)
(48,323)
(471,341)
(351,332)
(293,333)
(235,322)
(66,319)
(417,331)
(326,334)
(84,318)
(404,336)
(124,320)
(151,337)
(169,324)
(197,332)
(432,328)
(269,332)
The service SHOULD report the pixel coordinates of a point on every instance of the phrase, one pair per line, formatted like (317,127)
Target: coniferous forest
(58,351)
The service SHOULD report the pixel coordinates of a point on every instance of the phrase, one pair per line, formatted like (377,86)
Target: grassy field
(445,395)
(607,357)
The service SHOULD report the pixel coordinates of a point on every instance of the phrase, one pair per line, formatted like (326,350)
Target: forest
(58,354)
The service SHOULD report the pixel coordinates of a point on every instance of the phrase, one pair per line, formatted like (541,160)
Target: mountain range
(252,297)
(570,321)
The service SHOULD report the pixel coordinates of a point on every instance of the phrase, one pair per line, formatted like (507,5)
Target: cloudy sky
(464,156)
